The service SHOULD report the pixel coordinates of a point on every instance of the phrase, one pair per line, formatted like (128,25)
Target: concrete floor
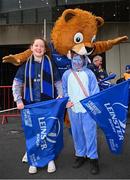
(12,148)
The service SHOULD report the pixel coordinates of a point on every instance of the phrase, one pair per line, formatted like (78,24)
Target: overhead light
(20,4)
(114,14)
(127,7)
(45,1)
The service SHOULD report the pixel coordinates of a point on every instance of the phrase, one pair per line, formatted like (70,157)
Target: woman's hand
(69,104)
(20,105)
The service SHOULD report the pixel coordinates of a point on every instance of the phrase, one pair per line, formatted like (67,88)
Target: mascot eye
(93,38)
(78,38)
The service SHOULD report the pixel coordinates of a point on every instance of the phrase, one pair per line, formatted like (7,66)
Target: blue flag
(109,109)
(43,128)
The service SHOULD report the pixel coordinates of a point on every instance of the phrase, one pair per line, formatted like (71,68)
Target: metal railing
(7,104)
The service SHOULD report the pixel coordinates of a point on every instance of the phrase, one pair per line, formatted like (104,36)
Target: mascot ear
(100,21)
(68,14)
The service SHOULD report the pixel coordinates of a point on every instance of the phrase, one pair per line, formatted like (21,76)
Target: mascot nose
(89,50)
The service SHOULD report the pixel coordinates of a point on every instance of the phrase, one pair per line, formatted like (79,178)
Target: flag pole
(6,110)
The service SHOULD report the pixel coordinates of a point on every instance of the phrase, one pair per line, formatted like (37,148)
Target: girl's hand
(69,104)
(20,105)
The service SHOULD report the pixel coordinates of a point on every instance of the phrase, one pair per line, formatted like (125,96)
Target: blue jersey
(99,73)
(62,63)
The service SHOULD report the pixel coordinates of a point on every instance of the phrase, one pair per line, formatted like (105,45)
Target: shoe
(25,159)
(79,161)
(94,166)
(51,167)
(32,170)
(86,158)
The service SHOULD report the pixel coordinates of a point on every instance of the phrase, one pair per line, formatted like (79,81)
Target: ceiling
(118,10)
(110,10)
(13,5)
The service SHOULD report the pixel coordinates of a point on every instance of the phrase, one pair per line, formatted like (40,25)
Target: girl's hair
(74,54)
(48,51)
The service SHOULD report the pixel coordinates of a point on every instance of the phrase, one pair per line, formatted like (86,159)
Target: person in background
(78,83)
(96,67)
(36,74)
(127,72)
(125,76)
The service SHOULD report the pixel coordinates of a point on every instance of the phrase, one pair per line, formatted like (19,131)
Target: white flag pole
(6,110)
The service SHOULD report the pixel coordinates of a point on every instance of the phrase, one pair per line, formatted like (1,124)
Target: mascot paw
(17,59)
(11,59)
(120,39)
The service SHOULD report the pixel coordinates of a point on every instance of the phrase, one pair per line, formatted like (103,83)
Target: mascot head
(76,31)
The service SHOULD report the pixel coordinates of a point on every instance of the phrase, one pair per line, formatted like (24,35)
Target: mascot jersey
(62,63)
(83,126)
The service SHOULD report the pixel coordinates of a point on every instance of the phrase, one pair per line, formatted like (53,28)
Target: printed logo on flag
(92,107)
(118,125)
(27,117)
(55,132)
(43,137)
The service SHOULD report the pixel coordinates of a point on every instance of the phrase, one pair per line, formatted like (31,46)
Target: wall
(21,34)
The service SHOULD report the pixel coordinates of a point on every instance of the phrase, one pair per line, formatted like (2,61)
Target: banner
(43,128)
(109,109)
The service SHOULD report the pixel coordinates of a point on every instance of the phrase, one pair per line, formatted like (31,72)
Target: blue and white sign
(43,128)
(109,109)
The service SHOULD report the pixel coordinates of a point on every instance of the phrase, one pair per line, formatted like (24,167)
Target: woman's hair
(97,57)
(48,51)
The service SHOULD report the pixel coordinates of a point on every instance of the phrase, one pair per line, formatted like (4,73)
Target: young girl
(78,83)
(37,76)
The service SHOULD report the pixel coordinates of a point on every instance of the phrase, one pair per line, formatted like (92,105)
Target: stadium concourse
(12,148)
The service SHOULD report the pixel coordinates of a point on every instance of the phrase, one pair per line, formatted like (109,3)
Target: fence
(7,103)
